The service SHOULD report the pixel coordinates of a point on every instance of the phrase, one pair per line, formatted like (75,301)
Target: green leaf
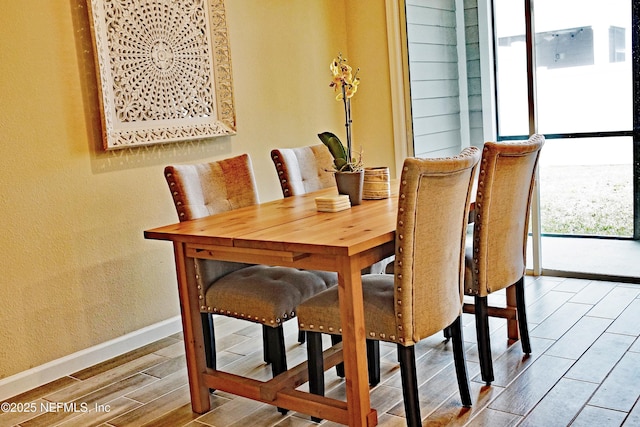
(340,164)
(335,146)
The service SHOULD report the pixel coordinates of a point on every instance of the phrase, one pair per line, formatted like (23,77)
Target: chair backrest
(304,169)
(430,236)
(205,189)
(503,199)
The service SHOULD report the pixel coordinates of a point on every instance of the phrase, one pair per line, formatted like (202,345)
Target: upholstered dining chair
(305,169)
(302,170)
(425,293)
(257,293)
(496,256)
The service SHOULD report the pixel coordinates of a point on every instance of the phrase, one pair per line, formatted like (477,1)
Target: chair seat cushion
(321,313)
(264,294)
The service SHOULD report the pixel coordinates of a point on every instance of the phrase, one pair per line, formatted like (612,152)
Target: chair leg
(335,339)
(447,333)
(460,361)
(484,343)
(315,365)
(277,353)
(522,316)
(302,337)
(407,358)
(209,342)
(265,345)
(373,362)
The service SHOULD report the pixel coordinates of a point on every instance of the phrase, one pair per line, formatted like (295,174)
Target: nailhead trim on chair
(286,189)
(477,228)
(178,204)
(321,328)
(276,321)
(400,250)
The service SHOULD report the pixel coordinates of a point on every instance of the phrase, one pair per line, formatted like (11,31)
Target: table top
(292,224)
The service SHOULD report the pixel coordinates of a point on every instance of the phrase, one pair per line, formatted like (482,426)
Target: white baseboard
(43,374)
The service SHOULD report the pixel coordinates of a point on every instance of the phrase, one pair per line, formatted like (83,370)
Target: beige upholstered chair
(257,293)
(425,294)
(304,169)
(496,257)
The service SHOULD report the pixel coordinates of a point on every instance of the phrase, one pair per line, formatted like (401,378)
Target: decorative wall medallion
(165,70)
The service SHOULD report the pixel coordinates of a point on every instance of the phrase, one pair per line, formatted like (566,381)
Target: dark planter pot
(350,183)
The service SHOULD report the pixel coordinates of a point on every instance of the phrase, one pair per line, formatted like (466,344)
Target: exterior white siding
(474,83)
(435,77)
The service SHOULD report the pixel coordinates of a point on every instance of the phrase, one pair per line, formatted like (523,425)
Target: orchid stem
(347,121)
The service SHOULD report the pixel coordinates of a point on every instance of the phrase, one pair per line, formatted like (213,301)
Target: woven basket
(376,183)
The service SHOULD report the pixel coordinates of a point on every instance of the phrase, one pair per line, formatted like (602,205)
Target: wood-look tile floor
(584,371)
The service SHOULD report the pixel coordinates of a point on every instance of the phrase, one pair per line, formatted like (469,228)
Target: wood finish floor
(584,371)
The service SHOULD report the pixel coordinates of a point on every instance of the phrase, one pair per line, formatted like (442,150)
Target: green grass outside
(587,200)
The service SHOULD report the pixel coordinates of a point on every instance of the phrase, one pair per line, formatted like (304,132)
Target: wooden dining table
(288,232)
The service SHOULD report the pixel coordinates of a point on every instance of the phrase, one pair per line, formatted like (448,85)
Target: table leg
(354,344)
(192,329)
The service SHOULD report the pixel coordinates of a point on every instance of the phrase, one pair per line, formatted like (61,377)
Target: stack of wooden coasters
(332,203)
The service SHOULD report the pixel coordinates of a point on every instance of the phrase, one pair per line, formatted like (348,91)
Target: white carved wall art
(164,70)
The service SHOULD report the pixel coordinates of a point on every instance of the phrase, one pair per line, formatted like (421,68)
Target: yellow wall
(367,45)
(75,269)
